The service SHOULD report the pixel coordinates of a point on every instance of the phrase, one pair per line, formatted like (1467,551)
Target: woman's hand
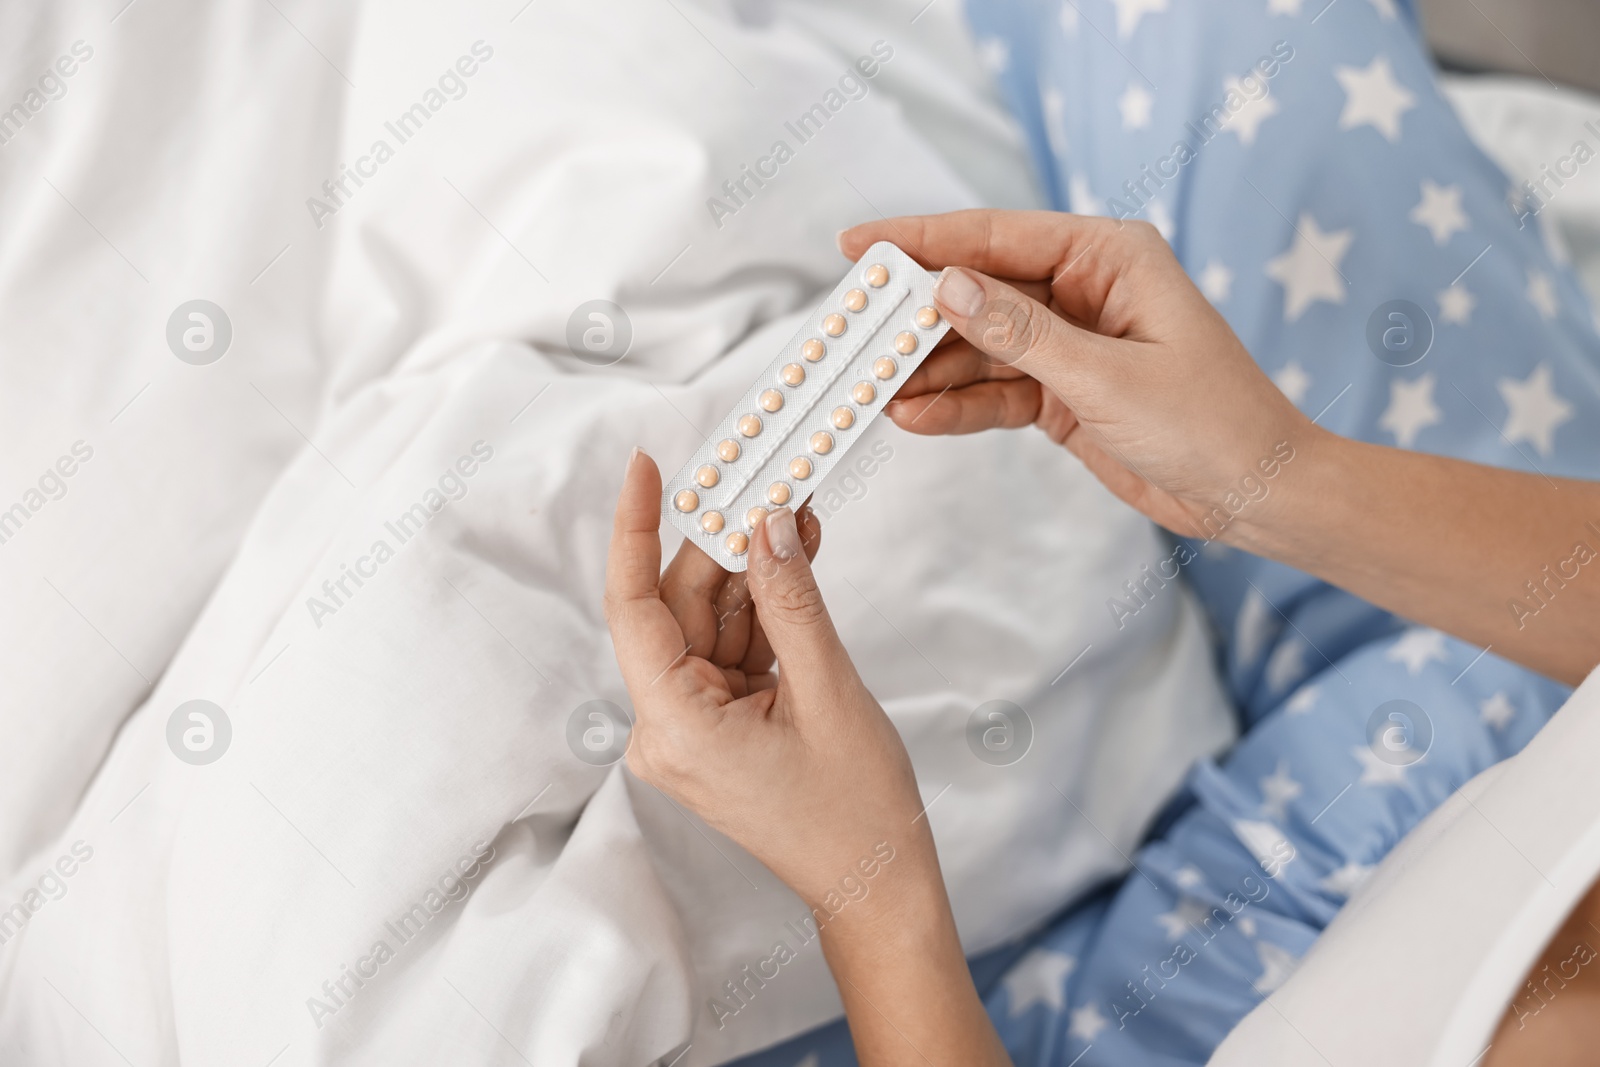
(1103,342)
(1106,345)
(801,767)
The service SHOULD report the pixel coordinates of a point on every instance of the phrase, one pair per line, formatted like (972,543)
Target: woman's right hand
(1103,342)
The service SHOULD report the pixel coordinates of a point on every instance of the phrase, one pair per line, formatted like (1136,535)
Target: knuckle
(1147,233)
(619,611)
(1154,253)
(1038,321)
(639,761)
(987,239)
(919,226)
(655,758)
(1103,229)
(799,602)
(1024,404)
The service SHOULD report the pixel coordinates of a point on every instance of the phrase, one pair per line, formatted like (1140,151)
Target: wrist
(904,979)
(902,912)
(1290,484)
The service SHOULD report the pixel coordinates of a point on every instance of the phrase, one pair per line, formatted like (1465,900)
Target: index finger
(1026,245)
(1081,256)
(953,366)
(647,638)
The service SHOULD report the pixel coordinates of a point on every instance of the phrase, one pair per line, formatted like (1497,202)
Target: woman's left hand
(800,766)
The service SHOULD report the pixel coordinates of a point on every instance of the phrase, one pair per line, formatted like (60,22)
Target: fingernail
(633,457)
(782,534)
(958,292)
(838,238)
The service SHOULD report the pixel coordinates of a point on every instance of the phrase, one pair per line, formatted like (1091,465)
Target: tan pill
(792,374)
(927,317)
(753,517)
(800,468)
(905,343)
(843,418)
(833,325)
(883,367)
(749,425)
(711,522)
(863,393)
(686,500)
(778,493)
(855,300)
(877,275)
(813,350)
(707,476)
(771,400)
(738,543)
(728,450)
(822,442)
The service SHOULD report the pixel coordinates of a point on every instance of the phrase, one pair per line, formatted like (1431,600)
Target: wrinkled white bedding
(1530,128)
(406,754)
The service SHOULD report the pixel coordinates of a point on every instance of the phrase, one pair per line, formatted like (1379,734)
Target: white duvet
(374,531)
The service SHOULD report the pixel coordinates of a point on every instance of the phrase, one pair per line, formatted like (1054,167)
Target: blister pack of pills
(809,407)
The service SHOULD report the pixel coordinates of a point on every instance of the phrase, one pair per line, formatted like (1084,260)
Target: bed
(398,768)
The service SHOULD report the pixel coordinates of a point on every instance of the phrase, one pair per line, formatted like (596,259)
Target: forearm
(1498,558)
(904,980)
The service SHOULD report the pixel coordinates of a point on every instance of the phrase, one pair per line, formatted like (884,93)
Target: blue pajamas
(1321,178)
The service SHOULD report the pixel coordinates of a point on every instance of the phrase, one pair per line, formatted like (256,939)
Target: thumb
(1011,328)
(790,606)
